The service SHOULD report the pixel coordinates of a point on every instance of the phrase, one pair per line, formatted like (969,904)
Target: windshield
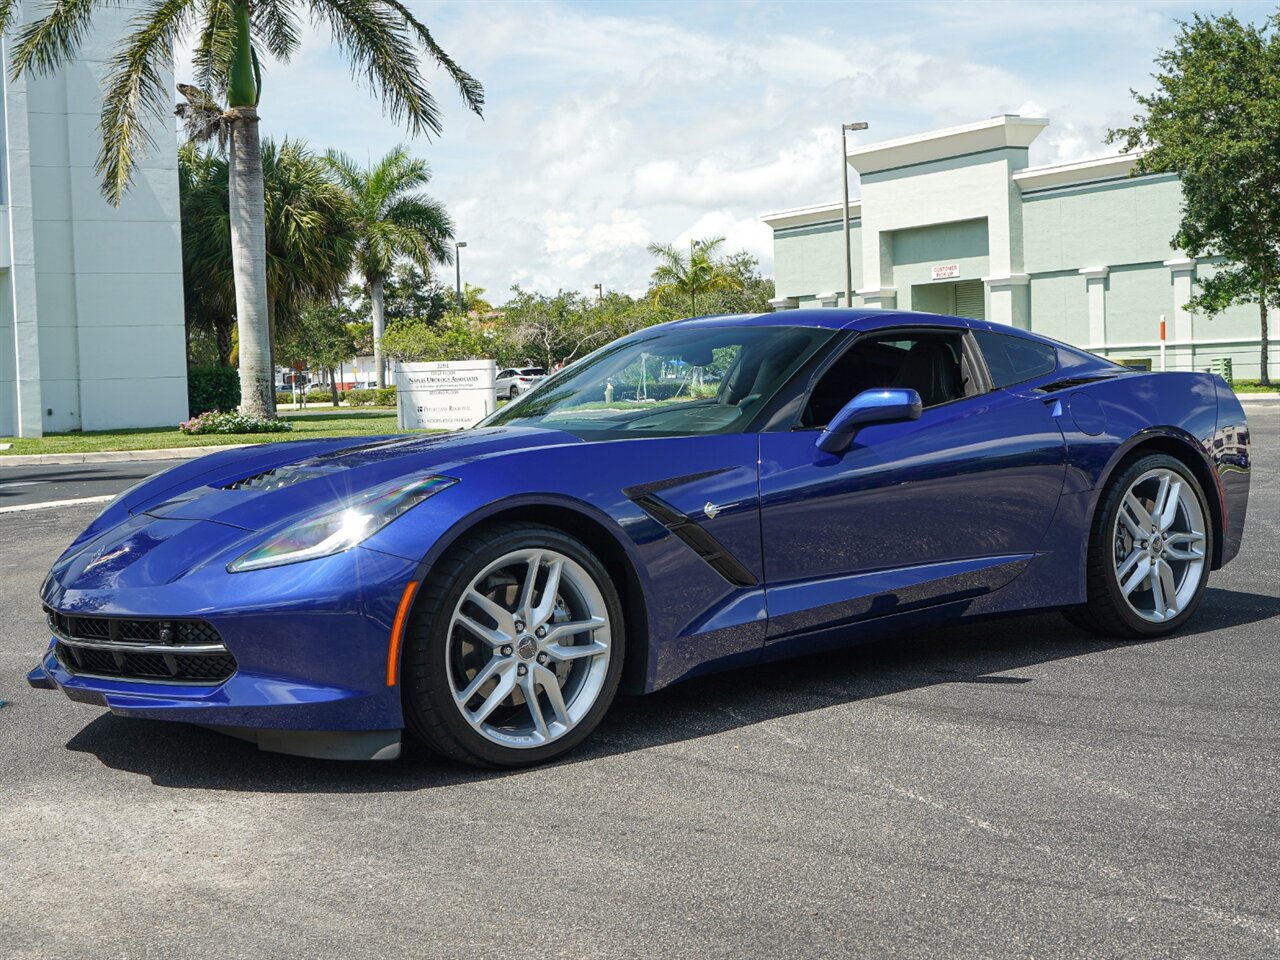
(668,382)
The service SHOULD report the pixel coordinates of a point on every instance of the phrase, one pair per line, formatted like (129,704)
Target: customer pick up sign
(445,395)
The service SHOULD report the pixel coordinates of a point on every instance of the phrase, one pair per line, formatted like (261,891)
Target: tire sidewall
(1121,484)
(431,640)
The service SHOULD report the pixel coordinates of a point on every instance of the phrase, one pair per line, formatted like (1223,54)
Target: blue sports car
(699,495)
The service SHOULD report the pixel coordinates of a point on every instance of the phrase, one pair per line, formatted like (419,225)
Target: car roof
(842,318)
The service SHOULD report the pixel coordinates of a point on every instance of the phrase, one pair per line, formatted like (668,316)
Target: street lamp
(457,263)
(844,174)
(599,289)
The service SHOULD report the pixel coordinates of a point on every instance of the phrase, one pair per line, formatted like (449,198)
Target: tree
(408,294)
(207,283)
(1215,121)
(554,329)
(320,337)
(473,301)
(682,276)
(456,337)
(751,294)
(395,221)
(309,229)
(381,38)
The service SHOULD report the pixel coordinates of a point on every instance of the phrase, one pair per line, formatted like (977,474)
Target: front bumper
(311,642)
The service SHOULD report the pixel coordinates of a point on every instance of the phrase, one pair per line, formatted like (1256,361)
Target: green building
(957,221)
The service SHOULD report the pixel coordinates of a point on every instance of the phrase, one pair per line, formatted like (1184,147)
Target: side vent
(702,543)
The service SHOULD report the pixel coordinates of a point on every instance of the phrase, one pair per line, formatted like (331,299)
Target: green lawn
(305,426)
(1252,386)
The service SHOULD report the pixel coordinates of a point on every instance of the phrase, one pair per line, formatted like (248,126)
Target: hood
(259,495)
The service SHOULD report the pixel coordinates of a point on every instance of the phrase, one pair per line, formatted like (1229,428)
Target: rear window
(1015,359)
(532,372)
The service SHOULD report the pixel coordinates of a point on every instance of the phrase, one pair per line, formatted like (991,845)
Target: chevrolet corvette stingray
(699,495)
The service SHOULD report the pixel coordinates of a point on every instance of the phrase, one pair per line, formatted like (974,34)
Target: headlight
(342,528)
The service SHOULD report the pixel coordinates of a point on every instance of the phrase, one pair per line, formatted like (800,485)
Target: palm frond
(377,41)
(469,87)
(45,44)
(276,22)
(136,88)
(202,116)
(215,48)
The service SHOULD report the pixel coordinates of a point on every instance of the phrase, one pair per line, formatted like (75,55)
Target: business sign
(444,395)
(946,271)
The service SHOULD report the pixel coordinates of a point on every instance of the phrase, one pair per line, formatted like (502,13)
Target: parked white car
(514,381)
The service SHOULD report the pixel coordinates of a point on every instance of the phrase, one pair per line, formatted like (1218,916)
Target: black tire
(513,393)
(431,714)
(1106,613)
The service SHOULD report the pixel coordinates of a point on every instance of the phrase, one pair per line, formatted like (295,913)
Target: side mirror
(870,406)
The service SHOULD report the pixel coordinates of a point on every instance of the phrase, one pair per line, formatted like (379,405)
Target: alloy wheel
(528,648)
(1159,545)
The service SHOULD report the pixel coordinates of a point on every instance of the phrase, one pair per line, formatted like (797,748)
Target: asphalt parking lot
(1008,789)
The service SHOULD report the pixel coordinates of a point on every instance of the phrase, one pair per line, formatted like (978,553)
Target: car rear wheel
(1149,551)
(515,648)
(513,393)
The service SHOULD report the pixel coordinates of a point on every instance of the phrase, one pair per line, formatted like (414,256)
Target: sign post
(1162,341)
(444,395)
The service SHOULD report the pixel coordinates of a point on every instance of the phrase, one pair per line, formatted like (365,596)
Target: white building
(91,311)
(959,221)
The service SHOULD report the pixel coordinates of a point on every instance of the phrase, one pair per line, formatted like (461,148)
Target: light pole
(844,175)
(599,289)
(457,263)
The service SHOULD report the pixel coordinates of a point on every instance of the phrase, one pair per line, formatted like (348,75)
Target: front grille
(177,651)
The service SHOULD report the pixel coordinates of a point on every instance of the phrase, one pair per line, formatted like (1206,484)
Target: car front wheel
(1149,551)
(515,648)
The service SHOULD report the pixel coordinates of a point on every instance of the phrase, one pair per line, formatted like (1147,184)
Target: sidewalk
(114,456)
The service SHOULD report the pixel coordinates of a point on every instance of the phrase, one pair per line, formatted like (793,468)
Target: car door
(914,513)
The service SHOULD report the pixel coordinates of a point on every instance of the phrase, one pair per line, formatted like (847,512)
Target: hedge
(373,397)
(212,388)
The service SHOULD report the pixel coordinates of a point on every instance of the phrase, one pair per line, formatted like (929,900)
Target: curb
(1258,397)
(114,456)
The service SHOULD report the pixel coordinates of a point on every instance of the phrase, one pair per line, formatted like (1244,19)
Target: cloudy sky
(609,125)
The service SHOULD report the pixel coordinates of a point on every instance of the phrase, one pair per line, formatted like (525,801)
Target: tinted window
(668,382)
(933,365)
(1015,359)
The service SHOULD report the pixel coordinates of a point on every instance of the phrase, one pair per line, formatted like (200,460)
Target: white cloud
(605,130)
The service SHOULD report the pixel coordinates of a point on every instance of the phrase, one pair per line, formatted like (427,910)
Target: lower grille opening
(173,651)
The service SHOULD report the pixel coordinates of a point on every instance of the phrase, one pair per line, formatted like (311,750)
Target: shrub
(322,395)
(372,397)
(212,388)
(284,398)
(212,421)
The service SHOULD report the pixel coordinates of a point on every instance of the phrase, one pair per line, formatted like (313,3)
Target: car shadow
(985,652)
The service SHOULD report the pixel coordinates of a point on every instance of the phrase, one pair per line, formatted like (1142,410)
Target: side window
(932,364)
(1015,359)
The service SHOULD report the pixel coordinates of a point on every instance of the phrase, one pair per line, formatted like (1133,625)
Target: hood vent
(280,477)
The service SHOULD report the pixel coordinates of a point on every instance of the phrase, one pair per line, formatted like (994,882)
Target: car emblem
(526,647)
(711,510)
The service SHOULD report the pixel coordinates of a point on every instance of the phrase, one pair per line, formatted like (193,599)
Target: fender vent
(702,543)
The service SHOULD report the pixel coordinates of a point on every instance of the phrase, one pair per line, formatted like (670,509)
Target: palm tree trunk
(249,264)
(379,323)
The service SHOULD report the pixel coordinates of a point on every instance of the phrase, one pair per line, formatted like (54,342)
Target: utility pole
(693,293)
(457,263)
(844,175)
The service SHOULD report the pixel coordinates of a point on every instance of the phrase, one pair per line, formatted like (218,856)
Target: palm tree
(687,276)
(384,41)
(309,226)
(393,220)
